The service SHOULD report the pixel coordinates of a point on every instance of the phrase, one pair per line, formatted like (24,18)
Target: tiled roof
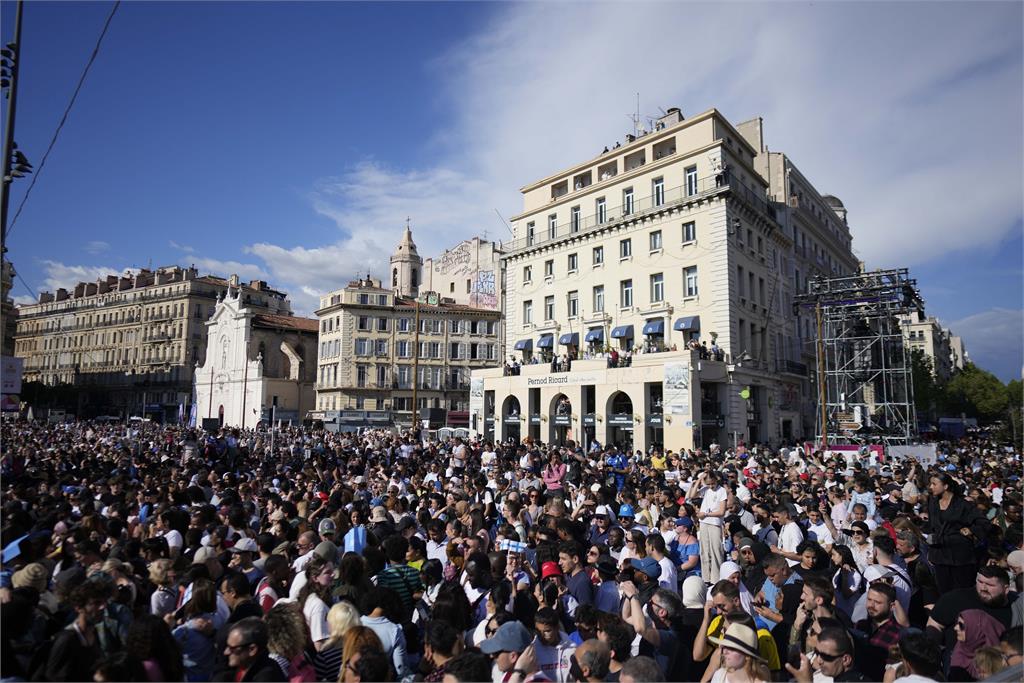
(287,321)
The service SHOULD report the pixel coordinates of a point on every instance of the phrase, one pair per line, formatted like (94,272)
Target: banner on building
(676,391)
(10,375)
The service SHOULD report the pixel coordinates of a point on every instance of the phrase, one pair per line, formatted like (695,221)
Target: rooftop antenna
(635,117)
(505,223)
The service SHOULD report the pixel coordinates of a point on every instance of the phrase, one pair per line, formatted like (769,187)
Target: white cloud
(994,341)
(245,271)
(97,247)
(59,275)
(917,132)
(180,247)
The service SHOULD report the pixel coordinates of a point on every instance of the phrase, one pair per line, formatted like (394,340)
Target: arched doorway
(560,420)
(619,421)
(511,416)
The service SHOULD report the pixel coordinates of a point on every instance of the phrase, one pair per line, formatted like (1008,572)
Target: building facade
(944,350)
(257,365)
(383,349)
(128,344)
(469,274)
(664,270)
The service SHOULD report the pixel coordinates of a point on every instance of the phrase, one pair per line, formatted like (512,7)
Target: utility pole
(13,57)
(415,362)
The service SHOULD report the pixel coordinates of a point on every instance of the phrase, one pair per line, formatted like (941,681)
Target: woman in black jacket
(955,528)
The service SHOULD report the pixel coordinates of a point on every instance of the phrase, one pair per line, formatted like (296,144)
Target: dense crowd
(145,553)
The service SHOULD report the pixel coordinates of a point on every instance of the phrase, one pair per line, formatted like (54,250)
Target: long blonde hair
(341,617)
(357,638)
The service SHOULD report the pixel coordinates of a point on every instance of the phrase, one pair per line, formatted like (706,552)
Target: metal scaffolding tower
(865,389)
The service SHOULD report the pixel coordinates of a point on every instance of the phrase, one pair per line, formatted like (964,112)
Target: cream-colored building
(469,273)
(670,241)
(381,346)
(128,343)
(926,334)
(258,366)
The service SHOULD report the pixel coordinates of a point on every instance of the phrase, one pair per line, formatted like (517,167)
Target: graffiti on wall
(485,290)
(458,261)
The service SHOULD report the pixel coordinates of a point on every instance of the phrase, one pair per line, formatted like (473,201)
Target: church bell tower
(406,266)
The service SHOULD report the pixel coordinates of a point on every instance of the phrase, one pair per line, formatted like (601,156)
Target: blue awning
(524,345)
(596,334)
(690,323)
(623,332)
(654,327)
(572,339)
(546,341)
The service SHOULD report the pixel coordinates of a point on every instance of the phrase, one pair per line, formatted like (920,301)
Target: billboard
(10,375)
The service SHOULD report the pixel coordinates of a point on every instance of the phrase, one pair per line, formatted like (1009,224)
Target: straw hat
(742,639)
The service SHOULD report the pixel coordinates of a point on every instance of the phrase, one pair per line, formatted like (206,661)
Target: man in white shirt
(790,535)
(669,576)
(708,487)
(818,530)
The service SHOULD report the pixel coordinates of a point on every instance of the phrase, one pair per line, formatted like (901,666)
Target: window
(382,300)
(403,324)
(549,307)
(404,350)
(689,232)
(690,281)
(364,298)
(691,180)
(599,299)
(740,281)
(382,347)
(657,288)
(601,209)
(625,248)
(598,255)
(469,285)
(574,304)
(527,273)
(364,323)
(626,294)
(574,216)
(552,226)
(750,286)
(627,201)
(382,324)
(382,375)
(529,233)
(658,191)
(362,347)
(574,263)
(760,290)
(655,240)
(549,268)
(455,326)
(527,312)
(453,351)
(360,375)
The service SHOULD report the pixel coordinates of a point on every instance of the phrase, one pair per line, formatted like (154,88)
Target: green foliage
(927,392)
(978,393)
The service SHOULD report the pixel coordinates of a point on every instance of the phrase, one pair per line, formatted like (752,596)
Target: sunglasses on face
(825,657)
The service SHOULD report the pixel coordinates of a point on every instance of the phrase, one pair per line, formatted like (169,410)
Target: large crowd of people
(150,553)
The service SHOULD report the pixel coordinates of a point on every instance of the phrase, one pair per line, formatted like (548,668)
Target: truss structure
(865,386)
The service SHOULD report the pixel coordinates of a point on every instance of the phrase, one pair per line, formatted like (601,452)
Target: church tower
(406,266)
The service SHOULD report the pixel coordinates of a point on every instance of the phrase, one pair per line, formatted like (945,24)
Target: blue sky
(290,141)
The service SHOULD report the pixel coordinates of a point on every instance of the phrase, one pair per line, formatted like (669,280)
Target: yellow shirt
(658,462)
(765,643)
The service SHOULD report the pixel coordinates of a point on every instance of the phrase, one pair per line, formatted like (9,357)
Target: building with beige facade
(384,349)
(128,343)
(664,270)
(469,273)
(944,349)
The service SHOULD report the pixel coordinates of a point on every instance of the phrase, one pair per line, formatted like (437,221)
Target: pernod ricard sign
(565,379)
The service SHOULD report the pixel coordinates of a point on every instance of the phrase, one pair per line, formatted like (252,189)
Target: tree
(978,393)
(927,393)
(1015,412)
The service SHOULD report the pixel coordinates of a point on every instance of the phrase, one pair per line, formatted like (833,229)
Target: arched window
(394,277)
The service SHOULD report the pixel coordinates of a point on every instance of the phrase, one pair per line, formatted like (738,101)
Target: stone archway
(618,419)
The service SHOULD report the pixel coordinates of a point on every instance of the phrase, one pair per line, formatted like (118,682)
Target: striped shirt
(402,579)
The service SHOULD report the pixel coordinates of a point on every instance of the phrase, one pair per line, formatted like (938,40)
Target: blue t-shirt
(619,462)
(682,553)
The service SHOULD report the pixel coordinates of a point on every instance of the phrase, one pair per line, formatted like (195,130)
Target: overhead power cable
(64,118)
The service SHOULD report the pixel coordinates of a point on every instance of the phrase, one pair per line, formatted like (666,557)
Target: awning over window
(595,335)
(690,323)
(654,327)
(546,341)
(623,332)
(524,345)
(572,339)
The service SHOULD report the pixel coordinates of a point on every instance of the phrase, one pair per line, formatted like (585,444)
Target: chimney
(124,282)
(79,290)
(90,289)
(62,294)
(45,297)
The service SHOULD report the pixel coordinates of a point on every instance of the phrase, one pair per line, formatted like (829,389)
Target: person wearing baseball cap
(506,647)
(242,553)
(327,529)
(645,575)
